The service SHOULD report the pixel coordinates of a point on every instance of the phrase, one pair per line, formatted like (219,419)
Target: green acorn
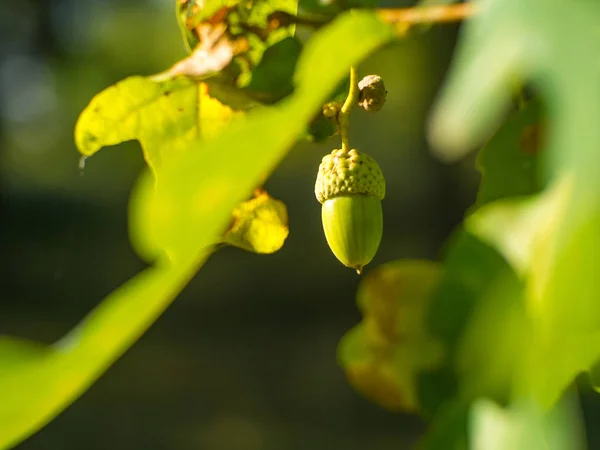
(350,186)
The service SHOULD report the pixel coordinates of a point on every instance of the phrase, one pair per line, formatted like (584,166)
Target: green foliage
(551,239)
(194,193)
(555,254)
(485,342)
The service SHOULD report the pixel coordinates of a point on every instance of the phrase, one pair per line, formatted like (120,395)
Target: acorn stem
(344,114)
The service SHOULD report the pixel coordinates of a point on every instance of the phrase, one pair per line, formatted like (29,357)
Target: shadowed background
(246,356)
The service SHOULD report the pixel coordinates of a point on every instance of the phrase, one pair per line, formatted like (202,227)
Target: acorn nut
(350,186)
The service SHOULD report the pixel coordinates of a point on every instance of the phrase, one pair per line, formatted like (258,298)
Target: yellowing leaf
(165,116)
(259,225)
(385,354)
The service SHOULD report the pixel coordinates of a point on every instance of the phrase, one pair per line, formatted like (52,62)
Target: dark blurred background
(246,356)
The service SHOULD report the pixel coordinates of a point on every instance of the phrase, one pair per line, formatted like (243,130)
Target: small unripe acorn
(372,93)
(350,186)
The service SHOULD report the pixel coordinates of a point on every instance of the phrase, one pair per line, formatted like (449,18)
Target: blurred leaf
(272,79)
(524,426)
(472,277)
(470,268)
(559,264)
(36,385)
(553,241)
(509,162)
(165,116)
(384,355)
(197,191)
(461,305)
(499,45)
(449,429)
(520,228)
(436,387)
(484,425)
(493,345)
(16,352)
(259,225)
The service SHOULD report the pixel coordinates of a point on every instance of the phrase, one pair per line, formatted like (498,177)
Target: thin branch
(403,18)
(432,14)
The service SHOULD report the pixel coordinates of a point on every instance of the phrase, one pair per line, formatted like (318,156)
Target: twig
(431,14)
(403,18)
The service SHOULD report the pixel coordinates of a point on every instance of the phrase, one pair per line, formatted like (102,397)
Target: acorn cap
(372,93)
(349,173)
